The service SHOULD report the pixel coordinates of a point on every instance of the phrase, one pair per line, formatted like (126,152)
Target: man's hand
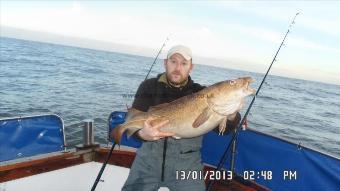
(152,133)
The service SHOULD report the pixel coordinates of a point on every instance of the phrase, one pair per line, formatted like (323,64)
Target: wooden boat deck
(77,170)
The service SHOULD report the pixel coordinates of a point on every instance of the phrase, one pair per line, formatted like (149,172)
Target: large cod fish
(192,115)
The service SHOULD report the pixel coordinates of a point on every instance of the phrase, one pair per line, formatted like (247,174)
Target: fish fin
(203,117)
(222,126)
(152,108)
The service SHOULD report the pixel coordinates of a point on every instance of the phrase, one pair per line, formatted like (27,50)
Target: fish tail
(117,133)
(131,126)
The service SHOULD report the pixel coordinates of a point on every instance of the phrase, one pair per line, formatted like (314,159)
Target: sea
(77,84)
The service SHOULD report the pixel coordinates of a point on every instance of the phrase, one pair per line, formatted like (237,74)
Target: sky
(232,34)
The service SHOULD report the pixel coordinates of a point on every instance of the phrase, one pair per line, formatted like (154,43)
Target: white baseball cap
(182,50)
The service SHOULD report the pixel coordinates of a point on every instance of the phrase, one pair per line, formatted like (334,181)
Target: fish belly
(186,130)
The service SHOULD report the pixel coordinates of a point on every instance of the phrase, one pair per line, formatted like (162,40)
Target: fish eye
(232,82)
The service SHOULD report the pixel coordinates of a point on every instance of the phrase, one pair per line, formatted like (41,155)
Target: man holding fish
(170,114)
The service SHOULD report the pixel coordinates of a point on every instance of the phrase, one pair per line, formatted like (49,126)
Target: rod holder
(88,136)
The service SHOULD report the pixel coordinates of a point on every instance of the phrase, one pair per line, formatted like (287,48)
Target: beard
(176,78)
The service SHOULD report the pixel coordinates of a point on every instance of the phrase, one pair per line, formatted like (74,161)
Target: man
(161,156)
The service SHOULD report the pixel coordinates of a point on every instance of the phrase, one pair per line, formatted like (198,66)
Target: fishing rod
(114,144)
(233,139)
(154,61)
(102,169)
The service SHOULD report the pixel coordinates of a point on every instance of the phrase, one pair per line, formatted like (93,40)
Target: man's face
(177,69)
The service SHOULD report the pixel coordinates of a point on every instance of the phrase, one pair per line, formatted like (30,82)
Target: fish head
(231,92)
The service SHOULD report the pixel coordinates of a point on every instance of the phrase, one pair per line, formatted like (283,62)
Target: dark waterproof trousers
(181,155)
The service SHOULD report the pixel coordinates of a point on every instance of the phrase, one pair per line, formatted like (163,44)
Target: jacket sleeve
(143,99)
(144,96)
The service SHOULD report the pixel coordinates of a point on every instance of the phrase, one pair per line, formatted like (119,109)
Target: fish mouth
(248,88)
